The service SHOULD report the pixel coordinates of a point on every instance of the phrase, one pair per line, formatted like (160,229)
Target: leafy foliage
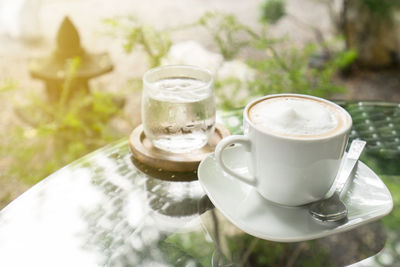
(272,11)
(381,9)
(289,71)
(227,32)
(392,222)
(154,43)
(54,134)
(8,85)
(251,251)
(278,69)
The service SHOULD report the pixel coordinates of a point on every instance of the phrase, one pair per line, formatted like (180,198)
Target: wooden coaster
(143,150)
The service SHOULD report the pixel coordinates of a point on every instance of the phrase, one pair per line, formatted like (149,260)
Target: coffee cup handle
(227,141)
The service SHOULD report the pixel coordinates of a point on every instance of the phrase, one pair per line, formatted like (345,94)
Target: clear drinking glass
(178,107)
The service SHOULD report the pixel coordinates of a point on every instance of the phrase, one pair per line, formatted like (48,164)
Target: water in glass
(178,113)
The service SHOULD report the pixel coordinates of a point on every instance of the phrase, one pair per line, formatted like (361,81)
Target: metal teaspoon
(332,209)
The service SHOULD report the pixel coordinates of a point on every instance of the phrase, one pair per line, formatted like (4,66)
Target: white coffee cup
(296,144)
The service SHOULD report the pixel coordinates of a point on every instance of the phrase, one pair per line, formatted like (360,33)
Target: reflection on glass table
(107,209)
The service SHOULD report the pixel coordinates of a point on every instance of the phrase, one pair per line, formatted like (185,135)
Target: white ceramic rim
(345,130)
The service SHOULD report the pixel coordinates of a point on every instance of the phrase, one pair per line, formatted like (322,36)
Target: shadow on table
(163,174)
(236,248)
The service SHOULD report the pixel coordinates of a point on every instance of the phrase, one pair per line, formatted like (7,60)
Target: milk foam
(179,90)
(293,116)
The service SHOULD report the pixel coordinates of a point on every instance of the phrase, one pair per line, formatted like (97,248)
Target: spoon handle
(352,157)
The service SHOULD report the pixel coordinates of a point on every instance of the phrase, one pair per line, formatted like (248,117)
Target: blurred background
(70,71)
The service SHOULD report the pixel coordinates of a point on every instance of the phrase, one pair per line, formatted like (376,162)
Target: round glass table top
(108,209)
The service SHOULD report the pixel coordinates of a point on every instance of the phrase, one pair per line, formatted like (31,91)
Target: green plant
(280,68)
(154,43)
(227,32)
(55,133)
(290,71)
(381,9)
(8,85)
(272,10)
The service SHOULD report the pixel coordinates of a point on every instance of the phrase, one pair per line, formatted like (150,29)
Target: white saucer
(367,199)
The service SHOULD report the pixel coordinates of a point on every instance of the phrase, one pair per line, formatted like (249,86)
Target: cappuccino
(295,145)
(298,117)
